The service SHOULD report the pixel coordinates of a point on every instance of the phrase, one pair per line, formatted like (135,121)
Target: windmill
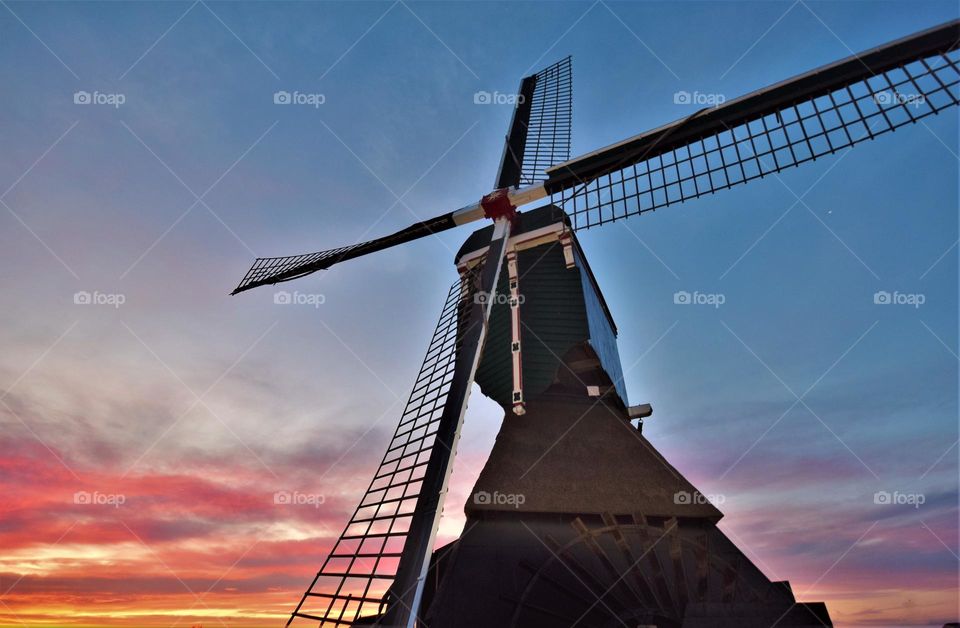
(527,322)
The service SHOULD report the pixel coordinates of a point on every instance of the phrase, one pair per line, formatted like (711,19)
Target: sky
(144,434)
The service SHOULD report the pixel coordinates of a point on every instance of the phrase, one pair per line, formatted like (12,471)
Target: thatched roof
(571,454)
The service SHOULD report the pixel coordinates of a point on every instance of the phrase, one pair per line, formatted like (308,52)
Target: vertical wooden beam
(643,589)
(519,405)
(676,556)
(656,569)
(702,553)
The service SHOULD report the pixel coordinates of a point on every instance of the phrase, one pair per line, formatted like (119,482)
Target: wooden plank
(676,556)
(645,591)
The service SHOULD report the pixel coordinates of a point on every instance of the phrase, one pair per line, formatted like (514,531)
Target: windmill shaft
(407,588)
(518,197)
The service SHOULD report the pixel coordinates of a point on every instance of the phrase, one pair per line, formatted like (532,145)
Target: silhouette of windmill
(576,518)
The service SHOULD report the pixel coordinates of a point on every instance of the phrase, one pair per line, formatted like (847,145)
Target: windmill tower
(575,518)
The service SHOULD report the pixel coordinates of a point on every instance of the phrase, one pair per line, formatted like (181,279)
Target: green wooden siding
(603,338)
(553,320)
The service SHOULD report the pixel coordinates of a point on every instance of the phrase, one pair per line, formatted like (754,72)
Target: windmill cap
(526,221)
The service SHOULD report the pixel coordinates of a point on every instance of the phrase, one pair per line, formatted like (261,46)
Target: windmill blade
(350,585)
(355,577)
(784,125)
(407,589)
(271,270)
(539,134)
(377,565)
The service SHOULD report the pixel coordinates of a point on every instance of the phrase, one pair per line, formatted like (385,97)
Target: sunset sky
(180,411)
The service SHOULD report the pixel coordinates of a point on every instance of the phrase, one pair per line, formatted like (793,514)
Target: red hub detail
(497,205)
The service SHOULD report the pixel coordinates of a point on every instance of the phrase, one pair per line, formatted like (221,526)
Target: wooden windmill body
(576,519)
(576,516)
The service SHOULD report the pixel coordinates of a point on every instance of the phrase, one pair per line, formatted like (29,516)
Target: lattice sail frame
(551,119)
(767,144)
(265,267)
(356,575)
(271,270)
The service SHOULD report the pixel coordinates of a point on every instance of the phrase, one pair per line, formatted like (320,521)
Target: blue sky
(108,202)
